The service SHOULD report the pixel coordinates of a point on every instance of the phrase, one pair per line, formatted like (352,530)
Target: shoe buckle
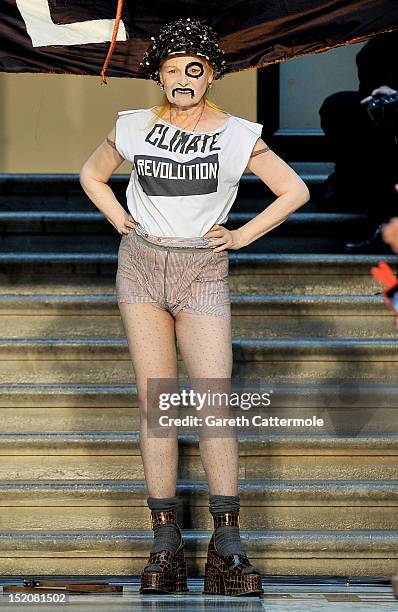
(228,518)
(163,518)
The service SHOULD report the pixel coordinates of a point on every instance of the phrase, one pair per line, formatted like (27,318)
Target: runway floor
(280,596)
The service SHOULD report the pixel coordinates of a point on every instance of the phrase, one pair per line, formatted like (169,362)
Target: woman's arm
(283,181)
(94,177)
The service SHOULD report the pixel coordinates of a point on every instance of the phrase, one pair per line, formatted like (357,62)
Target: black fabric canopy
(74,36)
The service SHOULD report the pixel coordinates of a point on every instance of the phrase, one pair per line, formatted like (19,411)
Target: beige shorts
(177,278)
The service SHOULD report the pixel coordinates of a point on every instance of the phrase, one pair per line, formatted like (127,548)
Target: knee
(148,405)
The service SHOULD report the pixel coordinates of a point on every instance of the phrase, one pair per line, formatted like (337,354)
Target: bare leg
(205,344)
(151,340)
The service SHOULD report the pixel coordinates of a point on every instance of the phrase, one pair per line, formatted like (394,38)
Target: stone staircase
(308,323)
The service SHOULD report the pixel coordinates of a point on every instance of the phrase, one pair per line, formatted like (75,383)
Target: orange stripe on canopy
(119,9)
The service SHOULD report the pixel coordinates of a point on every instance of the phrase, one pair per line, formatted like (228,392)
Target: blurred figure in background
(389,231)
(365,153)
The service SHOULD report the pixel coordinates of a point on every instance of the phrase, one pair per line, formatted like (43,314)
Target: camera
(383,110)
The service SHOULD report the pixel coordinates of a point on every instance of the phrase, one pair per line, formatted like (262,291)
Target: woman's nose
(183,82)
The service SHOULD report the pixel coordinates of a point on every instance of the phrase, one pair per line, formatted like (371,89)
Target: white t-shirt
(182,182)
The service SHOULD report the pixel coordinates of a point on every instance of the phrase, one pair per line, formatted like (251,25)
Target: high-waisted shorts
(173,278)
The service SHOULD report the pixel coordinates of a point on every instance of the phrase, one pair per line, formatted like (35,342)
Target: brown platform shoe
(223,574)
(173,577)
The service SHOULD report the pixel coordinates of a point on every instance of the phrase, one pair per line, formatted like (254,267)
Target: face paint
(177,78)
(194,75)
(181,90)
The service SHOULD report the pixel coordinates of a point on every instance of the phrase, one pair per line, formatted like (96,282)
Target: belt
(176,241)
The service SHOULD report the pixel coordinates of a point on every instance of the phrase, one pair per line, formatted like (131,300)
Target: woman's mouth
(183,91)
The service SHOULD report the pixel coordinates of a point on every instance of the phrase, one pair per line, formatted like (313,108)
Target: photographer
(364,151)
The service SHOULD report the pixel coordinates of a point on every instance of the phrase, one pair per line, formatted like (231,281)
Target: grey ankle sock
(165,536)
(228,540)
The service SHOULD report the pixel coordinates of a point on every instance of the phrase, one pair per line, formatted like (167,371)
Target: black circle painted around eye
(197,65)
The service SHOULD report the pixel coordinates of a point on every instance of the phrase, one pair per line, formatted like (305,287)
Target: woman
(172,280)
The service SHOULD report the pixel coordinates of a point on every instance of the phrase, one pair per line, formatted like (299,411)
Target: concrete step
(34,315)
(124,396)
(117,456)
(305,274)
(309,232)
(274,361)
(311,316)
(50,192)
(61,192)
(124,552)
(67,232)
(249,272)
(302,505)
(57,192)
(345,409)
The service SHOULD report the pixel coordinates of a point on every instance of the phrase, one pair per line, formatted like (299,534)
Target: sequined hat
(184,35)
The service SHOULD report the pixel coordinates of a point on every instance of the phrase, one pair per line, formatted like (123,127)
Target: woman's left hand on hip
(222,239)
